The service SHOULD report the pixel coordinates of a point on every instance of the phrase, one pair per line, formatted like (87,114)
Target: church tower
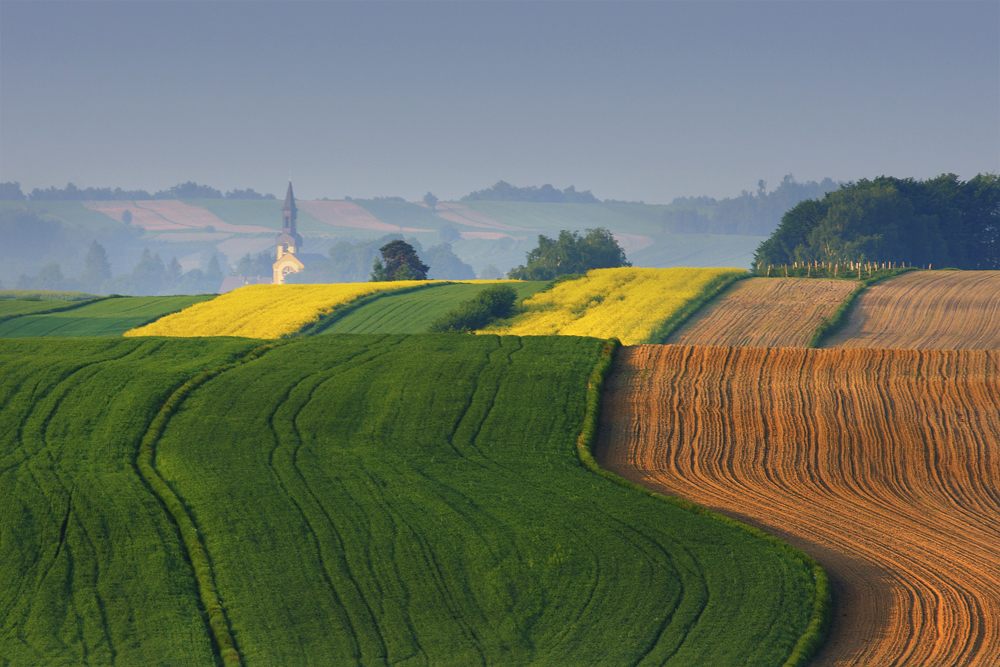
(289,242)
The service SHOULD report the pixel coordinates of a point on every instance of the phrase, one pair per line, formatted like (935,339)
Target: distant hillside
(483,234)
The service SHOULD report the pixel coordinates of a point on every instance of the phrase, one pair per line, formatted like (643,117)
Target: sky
(631,100)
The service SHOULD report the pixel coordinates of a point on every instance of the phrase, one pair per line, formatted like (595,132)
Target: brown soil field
(884,465)
(927,310)
(765,312)
(347,214)
(165,215)
(469,217)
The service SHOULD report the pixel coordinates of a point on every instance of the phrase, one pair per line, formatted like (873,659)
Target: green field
(362,500)
(105,317)
(412,312)
(92,569)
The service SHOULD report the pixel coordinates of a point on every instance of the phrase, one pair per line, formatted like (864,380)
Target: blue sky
(647,101)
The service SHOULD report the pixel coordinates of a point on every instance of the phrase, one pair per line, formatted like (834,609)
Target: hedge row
(831,325)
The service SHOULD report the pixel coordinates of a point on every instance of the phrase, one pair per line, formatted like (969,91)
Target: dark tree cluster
(943,222)
(504,191)
(571,253)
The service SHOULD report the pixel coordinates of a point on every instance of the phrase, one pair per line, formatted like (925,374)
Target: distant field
(633,305)
(926,310)
(413,312)
(882,464)
(548,219)
(765,312)
(107,317)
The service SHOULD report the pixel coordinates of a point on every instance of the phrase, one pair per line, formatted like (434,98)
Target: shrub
(493,303)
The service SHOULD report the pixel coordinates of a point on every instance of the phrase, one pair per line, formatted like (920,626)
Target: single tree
(127,217)
(399,261)
(96,268)
(430,200)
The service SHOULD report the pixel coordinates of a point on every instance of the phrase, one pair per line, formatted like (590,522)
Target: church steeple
(290,212)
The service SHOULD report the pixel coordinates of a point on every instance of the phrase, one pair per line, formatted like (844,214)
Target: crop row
(882,461)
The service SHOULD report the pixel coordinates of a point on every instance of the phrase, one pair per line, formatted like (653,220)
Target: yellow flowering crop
(628,303)
(262,311)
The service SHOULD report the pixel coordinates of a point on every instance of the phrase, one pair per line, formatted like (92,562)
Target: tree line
(939,222)
(149,277)
(11,191)
(752,213)
(504,191)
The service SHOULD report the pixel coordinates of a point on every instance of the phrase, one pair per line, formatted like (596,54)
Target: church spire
(289,199)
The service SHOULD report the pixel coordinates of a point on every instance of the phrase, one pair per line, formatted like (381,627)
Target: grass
(414,311)
(93,568)
(429,493)
(353,500)
(102,317)
(43,295)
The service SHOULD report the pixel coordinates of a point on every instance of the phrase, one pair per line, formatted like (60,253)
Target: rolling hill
(352,500)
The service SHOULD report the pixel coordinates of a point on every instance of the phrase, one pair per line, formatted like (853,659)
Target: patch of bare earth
(882,464)
(765,312)
(927,310)
(348,214)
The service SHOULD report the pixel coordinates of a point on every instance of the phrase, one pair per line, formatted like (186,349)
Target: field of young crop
(351,500)
(428,492)
(880,463)
(263,311)
(633,305)
(104,317)
(926,310)
(413,311)
(765,312)
(93,572)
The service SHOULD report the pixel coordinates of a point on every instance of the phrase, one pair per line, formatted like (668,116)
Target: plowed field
(765,312)
(882,464)
(927,310)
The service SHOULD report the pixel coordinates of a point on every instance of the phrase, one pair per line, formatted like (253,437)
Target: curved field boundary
(926,310)
(815,632)
(10,311)
(103,317)
(881,463)
(765,312)
(634,305)
(450,522)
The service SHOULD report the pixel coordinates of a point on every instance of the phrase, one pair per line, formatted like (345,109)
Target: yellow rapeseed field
(629,304)
(262,311)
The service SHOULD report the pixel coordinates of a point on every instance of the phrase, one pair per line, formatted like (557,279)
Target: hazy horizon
(633,101)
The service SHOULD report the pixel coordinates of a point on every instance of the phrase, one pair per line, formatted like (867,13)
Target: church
(289,242)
